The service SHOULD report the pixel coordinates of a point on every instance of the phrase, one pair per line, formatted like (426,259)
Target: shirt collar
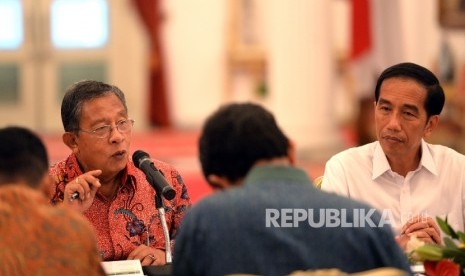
(427,160)
(381,164)
(130,172)
(266,173)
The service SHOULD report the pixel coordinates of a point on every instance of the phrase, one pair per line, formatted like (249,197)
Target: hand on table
(424,228)
(148,255)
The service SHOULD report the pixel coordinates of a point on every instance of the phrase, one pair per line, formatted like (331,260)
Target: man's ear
(291,153)
(432,123)
(70,139)
(219,182)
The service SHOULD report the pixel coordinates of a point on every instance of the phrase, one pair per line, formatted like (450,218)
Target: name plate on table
(123,268)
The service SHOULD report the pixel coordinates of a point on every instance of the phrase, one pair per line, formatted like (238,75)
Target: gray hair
(79,93)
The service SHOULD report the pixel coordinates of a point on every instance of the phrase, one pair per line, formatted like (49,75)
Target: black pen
(74,196)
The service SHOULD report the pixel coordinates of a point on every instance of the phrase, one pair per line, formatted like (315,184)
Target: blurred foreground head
(236,136)
(23,157)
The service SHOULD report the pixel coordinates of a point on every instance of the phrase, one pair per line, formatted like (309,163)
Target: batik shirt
(39,239)
(131,218)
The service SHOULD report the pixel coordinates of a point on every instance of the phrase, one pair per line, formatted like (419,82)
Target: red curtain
(361,28)
(149,12)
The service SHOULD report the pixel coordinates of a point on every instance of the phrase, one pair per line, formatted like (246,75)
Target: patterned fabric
(39,239)
(131,218)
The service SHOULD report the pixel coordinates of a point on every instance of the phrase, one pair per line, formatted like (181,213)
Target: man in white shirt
(405,178)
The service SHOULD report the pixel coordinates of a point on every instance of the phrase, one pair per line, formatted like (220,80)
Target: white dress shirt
(435,188)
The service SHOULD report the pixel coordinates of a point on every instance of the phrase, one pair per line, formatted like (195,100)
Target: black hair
(435,98)
(22,156)
(236,136)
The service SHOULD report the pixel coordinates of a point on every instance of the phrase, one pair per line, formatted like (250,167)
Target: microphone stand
(161,212)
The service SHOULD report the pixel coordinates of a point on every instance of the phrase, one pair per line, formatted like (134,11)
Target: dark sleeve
(184,248)
(389,253)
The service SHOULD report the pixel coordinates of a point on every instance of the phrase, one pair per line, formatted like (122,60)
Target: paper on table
(417,269)
(122,268)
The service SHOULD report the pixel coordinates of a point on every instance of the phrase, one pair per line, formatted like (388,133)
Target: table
(164,270)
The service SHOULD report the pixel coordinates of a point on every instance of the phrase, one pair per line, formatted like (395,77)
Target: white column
(301,73)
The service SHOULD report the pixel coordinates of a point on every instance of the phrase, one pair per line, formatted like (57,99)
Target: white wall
(194,35)
(129,49)
(301,71)
(195,40)
(300,77)
(301,39)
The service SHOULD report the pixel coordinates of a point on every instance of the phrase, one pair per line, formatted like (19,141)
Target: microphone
(142,161)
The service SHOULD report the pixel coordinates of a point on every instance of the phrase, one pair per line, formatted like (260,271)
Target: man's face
(400,118)
(109,154)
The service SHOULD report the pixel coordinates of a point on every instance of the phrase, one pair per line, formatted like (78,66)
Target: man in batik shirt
(113,194)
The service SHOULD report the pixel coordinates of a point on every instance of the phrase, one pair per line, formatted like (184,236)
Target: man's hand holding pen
(80,192)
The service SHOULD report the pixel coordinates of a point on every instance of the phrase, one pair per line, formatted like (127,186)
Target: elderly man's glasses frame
(123,126)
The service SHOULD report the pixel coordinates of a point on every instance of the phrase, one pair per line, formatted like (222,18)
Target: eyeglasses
(123,126)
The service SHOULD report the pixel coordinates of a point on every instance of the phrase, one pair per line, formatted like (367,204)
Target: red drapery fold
(149,12)
(361,28)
